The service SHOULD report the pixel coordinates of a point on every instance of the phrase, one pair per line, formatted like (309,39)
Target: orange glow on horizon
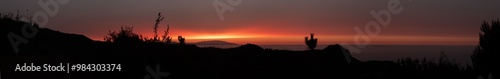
(256,35)
(215,37)
(330,39)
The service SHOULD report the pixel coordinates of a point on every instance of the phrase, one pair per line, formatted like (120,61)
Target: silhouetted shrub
(428,69)
(157,22)
(165,38)
(125,35)
(181,40)
(311,43)
(485,56)
(17,17)
(444,64)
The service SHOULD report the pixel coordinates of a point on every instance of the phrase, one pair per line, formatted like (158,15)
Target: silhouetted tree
(181,40)
(311,43)
(485,56)
(125,35)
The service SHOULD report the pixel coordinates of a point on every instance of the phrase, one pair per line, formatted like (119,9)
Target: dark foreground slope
(179,61)
(155,61)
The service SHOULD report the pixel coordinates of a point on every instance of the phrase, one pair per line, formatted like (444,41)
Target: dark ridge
(249,47)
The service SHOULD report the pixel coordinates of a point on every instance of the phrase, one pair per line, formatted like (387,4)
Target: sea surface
(459,53)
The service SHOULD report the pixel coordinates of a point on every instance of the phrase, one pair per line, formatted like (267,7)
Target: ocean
(459,53)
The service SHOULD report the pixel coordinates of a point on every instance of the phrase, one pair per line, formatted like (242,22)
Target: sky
(441,22)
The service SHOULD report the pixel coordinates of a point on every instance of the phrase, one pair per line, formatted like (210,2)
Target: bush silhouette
(444,68)
(485,56)
(125,35)
(311,43)
(156,39)
(181,40)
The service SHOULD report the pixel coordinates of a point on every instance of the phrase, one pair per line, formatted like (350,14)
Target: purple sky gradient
(427,19)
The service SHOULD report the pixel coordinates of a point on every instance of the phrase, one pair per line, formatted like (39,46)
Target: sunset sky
(442,22)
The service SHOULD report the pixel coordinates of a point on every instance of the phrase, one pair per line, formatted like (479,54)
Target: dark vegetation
(185,61)
(125,35)
(444,68)
(486,56)
(311,42)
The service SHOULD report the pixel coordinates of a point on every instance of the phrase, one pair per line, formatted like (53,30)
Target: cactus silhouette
(311,43)
(181,40)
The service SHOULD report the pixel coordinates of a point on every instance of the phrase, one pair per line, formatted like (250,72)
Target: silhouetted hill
(249,47)
(42,38)
(182,61)
(214,42)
